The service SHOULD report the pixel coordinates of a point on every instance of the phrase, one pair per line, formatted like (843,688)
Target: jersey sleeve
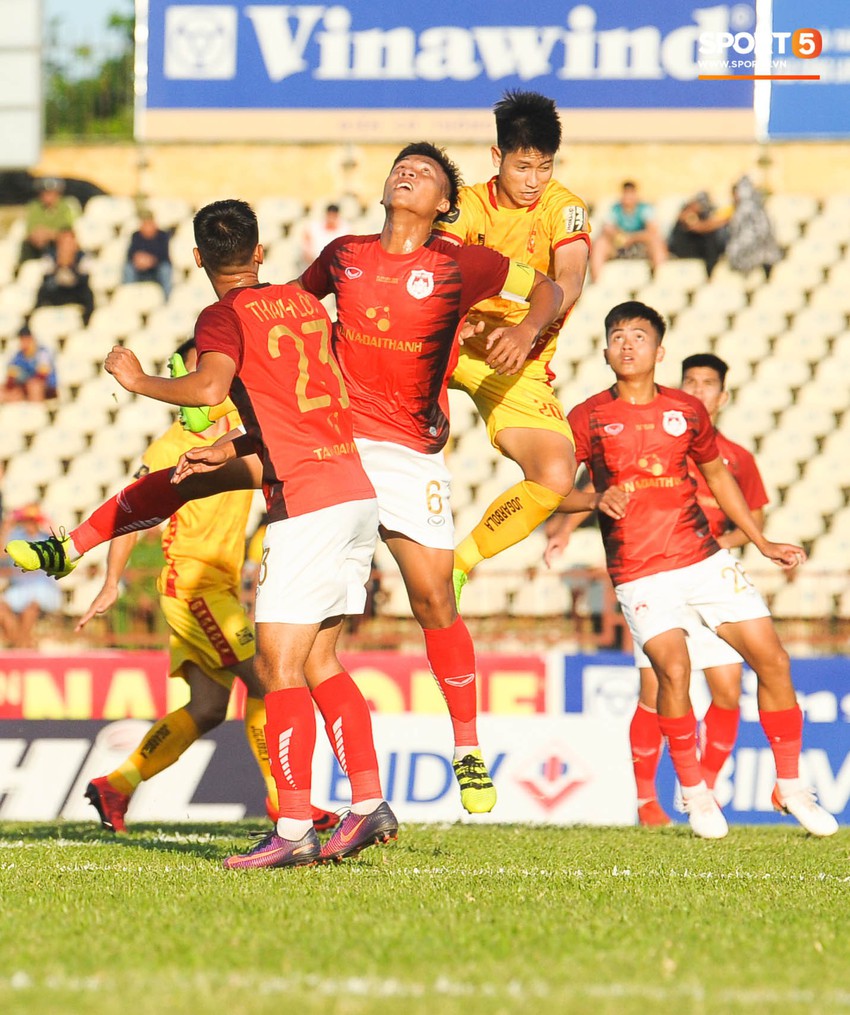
(485,274)
(317,278)
(579,420)
(568,220)
(750,482)
(704,444)
(218,330)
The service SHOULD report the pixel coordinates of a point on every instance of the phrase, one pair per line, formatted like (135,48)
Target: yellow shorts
(213,631)
(524,400)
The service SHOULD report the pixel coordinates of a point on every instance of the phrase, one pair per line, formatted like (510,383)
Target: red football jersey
(397,315)
(743,467)
(645,450)
(290,395)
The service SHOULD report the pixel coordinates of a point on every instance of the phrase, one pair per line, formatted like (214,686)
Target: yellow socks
(509,519)
(162,745)
(255,721)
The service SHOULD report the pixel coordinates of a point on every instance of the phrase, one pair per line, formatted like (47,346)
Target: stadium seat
(802,274)
(140,298)
(833,295)
(58,443)
(811,420)
(773,373)
(741,346)
(462,412)
(31,466)
(114,322)
(93,233)
(666,297)
(276,215)
(487,596)
(621,278)
(687,273)
(393,601)
(728,297)
(109,209)
(51,325)
(169,212)
(10,323)
(821,321)
(30,276)
(804,598)
(794,523)
(790,213)
(26,418)
(544,595)
(806,345)
(818,491)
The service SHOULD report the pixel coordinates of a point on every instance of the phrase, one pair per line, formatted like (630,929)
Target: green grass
(449,919)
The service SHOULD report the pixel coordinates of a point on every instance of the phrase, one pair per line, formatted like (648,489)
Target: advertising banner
(821,108)
(365,71)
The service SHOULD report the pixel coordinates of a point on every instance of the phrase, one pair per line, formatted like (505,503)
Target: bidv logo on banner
(436,55)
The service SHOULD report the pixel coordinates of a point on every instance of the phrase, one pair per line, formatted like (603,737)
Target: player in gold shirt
(212,638)
(525,214)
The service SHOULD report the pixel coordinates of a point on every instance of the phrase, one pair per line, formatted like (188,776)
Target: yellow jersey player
(525,214)
(212,639)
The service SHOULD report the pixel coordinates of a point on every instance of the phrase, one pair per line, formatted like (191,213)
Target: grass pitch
(492,919)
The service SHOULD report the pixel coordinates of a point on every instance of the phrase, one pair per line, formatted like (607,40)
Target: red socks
(148,501)
(682,744)
(451,657)
(719,732)
(349,728)
(291,737)
(784,731)
(646,743)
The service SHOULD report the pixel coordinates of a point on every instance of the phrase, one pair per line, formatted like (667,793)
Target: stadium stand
(786,339)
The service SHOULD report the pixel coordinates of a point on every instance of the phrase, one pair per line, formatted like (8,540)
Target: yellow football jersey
(204,542)
(530,235)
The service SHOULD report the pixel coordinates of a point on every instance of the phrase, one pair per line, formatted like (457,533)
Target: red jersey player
(704,377)
(400,297)
(269,346)
(636,439)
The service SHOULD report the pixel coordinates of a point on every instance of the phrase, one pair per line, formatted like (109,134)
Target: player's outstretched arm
(508,348)
(119,553)
(208,385)
(731,501)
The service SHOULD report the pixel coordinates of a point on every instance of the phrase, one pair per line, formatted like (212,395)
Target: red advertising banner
(119,685)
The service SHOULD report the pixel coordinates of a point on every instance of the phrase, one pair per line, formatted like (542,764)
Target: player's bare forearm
(208,385)
(579,502)
(570,271)
(120,549)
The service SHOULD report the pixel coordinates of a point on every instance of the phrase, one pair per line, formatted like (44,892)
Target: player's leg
(427,575)
(348,725)
(414,508)
(781,718)
(646,743)
(655,610)
(526,423)
(720,723)
(141,505)
(160,747)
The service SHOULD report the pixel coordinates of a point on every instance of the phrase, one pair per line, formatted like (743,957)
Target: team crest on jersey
(674,423)
(420,283)
(353,273)
(613,429)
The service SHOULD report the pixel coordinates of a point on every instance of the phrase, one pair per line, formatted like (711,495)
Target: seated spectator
(318,233)
(751,243)
(46,217)
(29,594)
(700,231)
(148,259)
(68,282)
(31,373)
(629,231)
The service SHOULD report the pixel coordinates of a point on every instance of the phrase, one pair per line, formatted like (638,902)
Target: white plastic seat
(33,466)
(110,209)
(93,233)
(740,347)
(807,597)
(687,273)
(50,324)
(58,443)
(807,345)
(393,599)
(137,297)
(114,322)
(486,595)
(25,417)
(729,297)
(544,595)
(789,213)
(10,322)
(817,491)
(794,523)
(821,321)
(802,274)
(169,212)
(781,374)
(811,420)
(833,295)
(623,277)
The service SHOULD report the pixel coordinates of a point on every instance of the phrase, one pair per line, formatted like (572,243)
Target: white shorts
(316,565)
(705,648)
(413,491)
(717,589)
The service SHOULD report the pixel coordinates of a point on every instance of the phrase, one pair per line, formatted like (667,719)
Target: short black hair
(629,185)
(527,121)
(186,347)
(226,233)
(631,310)
(709,360)
(431,151)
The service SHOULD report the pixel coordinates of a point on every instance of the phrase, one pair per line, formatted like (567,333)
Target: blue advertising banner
(813,109)
(360,55)
(607,684)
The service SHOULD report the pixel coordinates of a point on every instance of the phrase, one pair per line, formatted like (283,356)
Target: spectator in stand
(629,231)
(148,259)
(31,373)
(318,233)
(46,217)
(752,243)
(28,594)
(700,231)
(69,280)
